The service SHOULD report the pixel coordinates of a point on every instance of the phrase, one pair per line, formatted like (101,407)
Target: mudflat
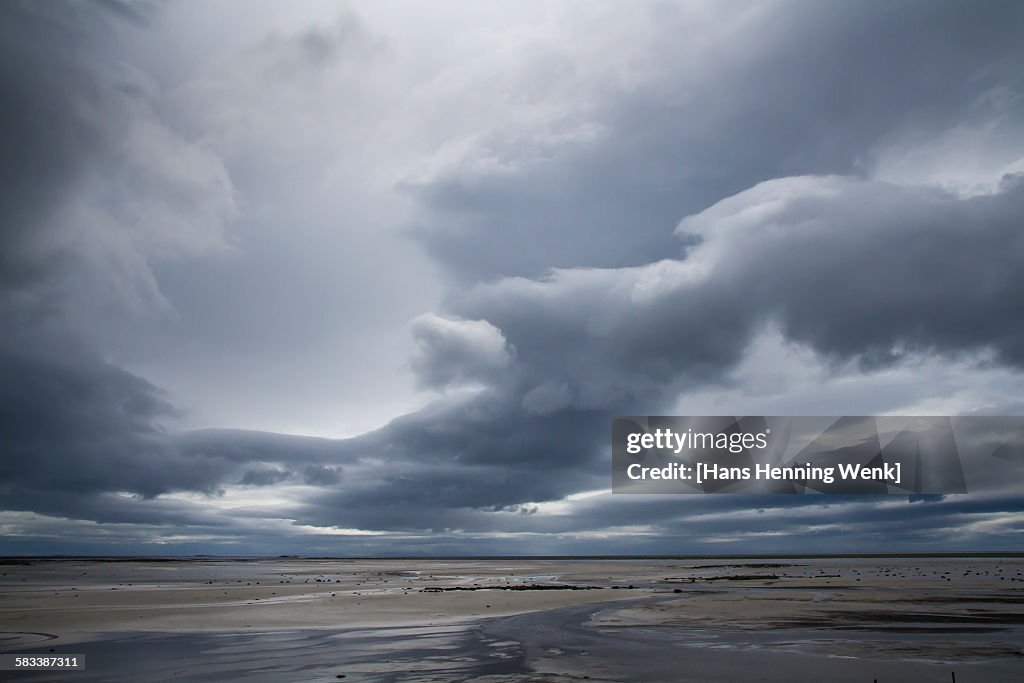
(856,619)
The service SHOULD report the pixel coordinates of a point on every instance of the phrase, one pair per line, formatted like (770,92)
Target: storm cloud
(323,281)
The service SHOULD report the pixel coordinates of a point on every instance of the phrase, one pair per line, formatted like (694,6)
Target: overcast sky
(373,277)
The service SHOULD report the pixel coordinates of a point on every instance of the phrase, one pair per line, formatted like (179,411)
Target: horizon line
(741,556)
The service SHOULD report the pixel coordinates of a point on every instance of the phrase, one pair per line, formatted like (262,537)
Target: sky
(372,278)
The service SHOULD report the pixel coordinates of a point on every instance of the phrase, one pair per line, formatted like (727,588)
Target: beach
(768,619)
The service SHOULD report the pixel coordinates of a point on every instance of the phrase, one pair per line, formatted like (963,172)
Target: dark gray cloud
(72,422)
(320,475)
(46,142)
(853,268)
(93,185)
(96,185)
(76,425)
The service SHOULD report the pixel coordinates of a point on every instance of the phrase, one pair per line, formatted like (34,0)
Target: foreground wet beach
(841,619)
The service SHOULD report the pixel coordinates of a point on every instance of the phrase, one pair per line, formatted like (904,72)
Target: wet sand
(837,619)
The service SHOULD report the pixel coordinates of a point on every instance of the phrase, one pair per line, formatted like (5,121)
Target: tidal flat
(297,619)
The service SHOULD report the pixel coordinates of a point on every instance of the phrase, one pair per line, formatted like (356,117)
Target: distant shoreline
(6,559)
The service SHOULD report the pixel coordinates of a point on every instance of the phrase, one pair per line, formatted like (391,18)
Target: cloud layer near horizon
(625,212)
